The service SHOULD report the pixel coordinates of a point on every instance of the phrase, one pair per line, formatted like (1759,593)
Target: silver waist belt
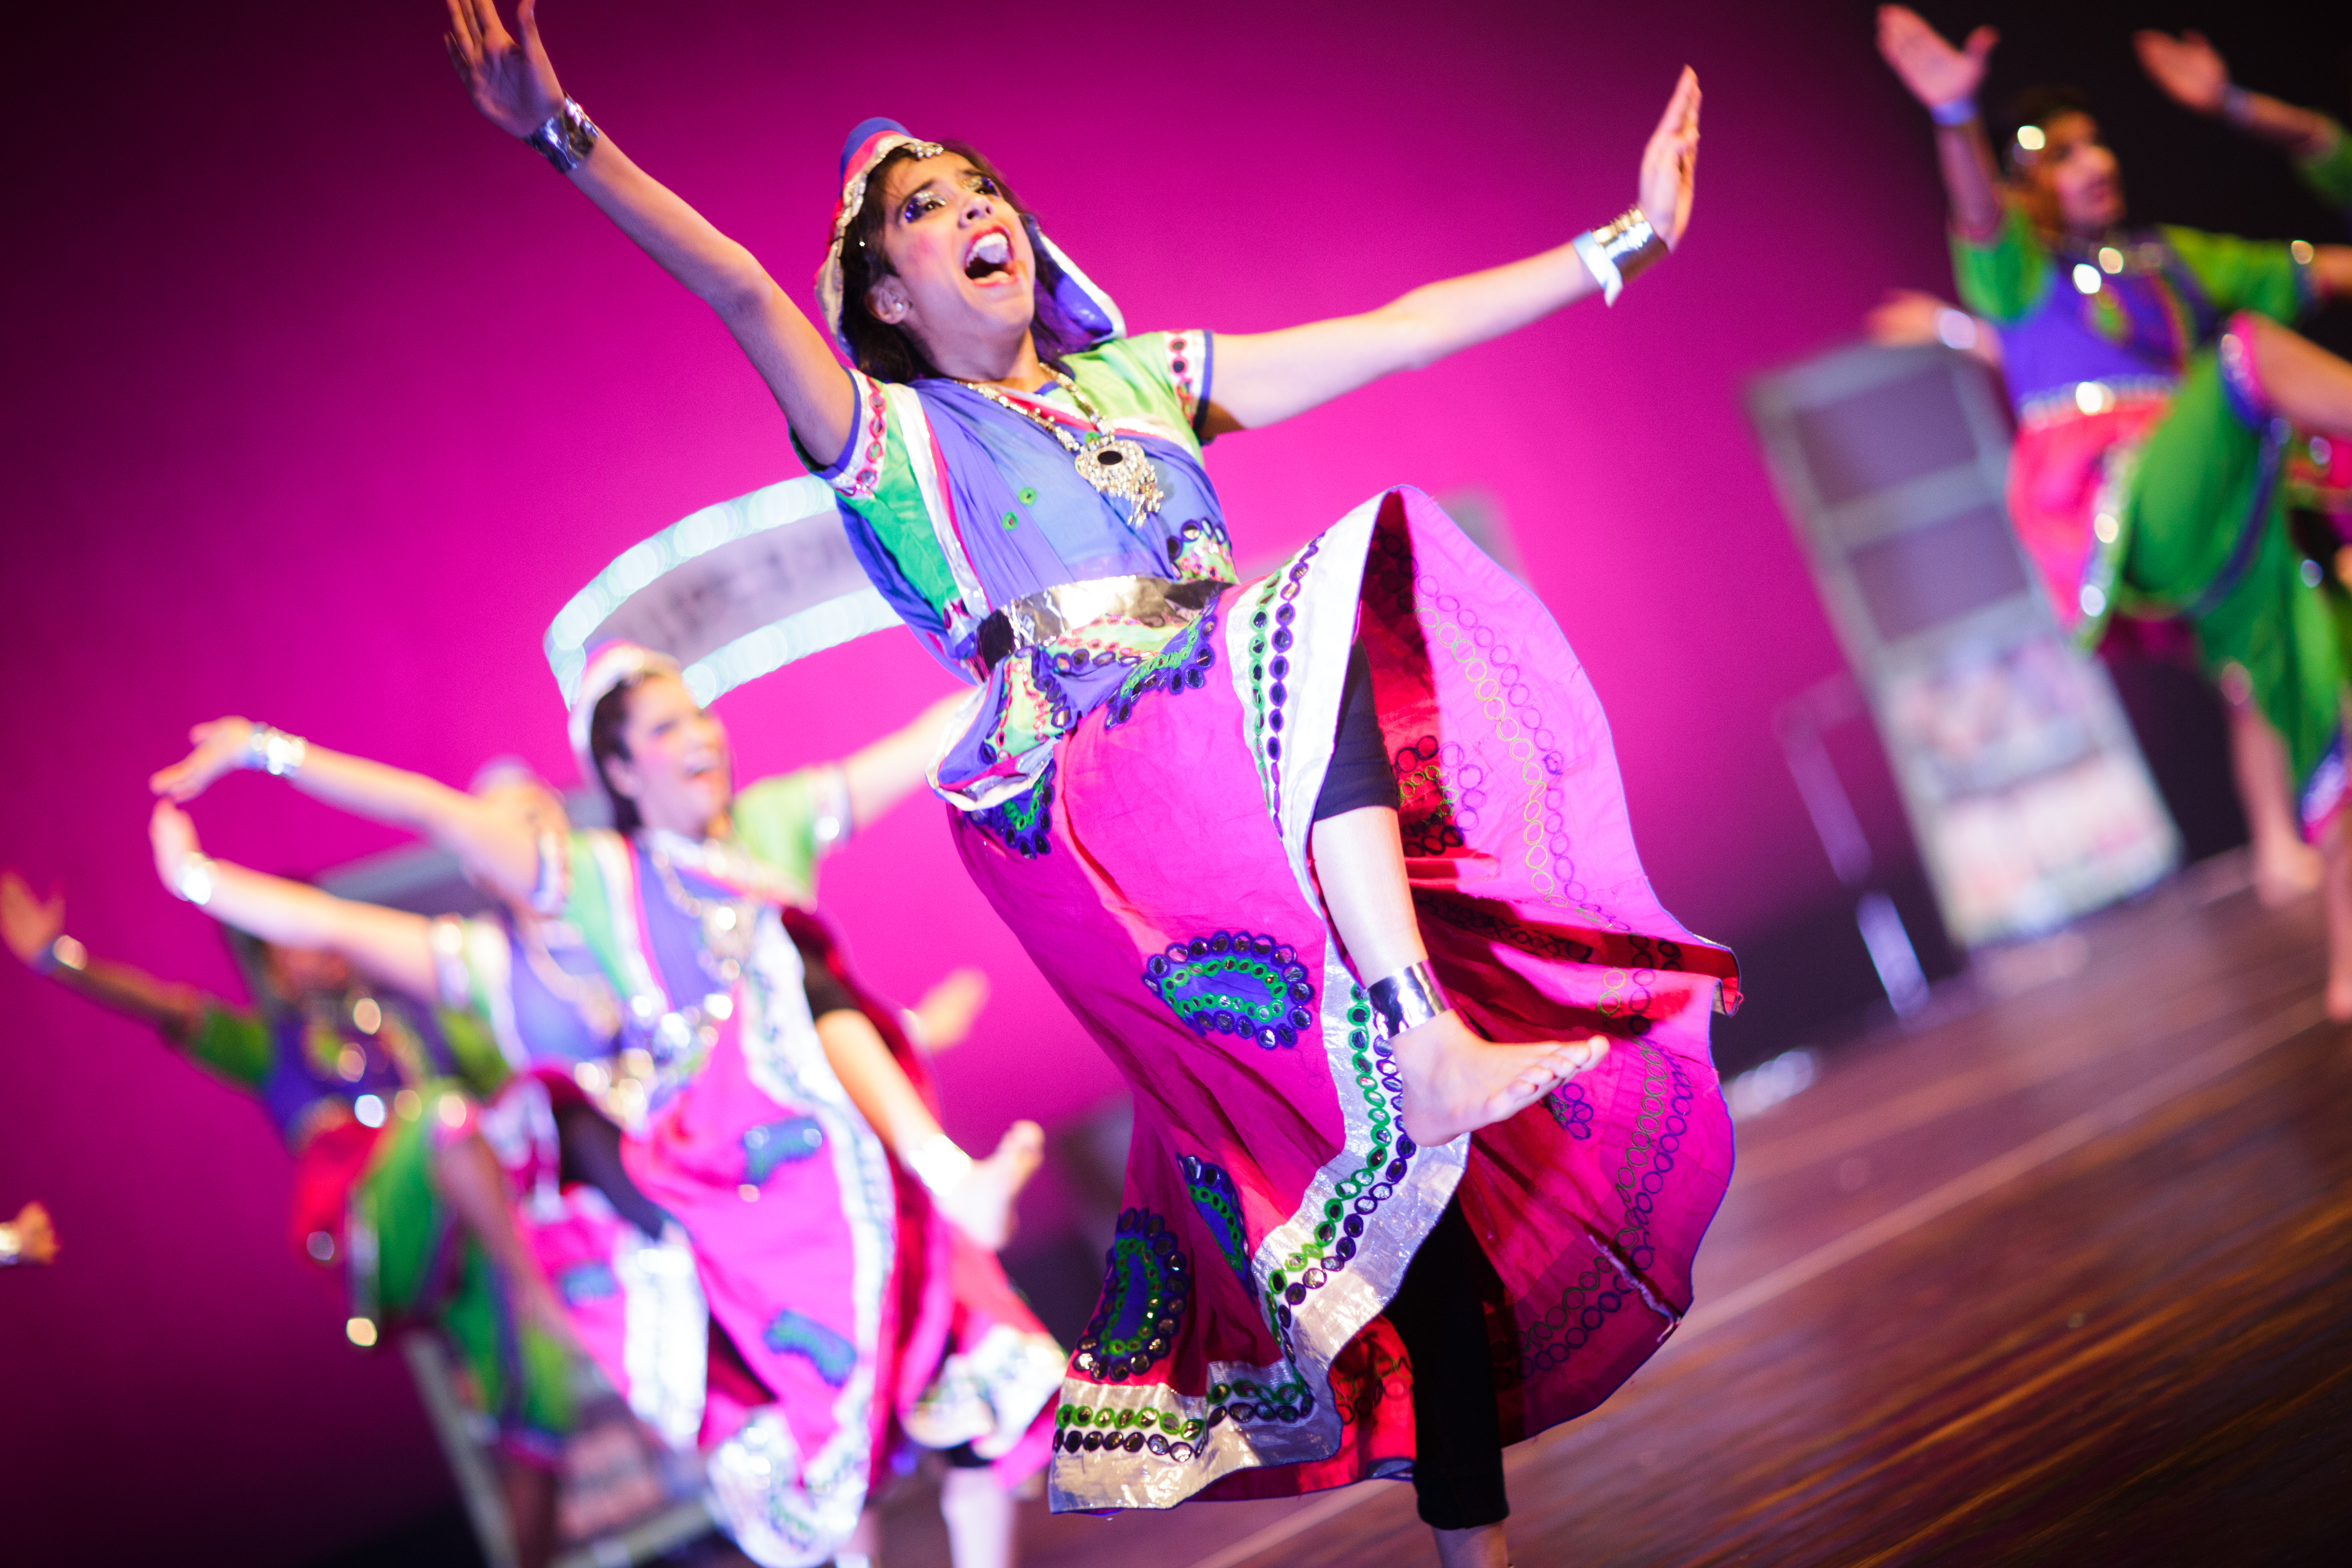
(1071,606)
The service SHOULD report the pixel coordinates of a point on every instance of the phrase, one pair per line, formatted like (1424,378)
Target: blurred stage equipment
(2021,780)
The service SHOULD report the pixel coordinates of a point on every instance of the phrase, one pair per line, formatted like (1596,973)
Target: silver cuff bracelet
(937,1164)
(275,752)
(1408,999)
(567,138)
(1620,250)
(194,882)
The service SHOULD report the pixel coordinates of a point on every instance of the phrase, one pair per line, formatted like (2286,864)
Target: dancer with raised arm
(395,1194)
(2156,393)
(768,1106)
(2193,72)
(1255,834)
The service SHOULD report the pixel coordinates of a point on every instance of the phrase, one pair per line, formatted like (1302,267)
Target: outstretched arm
(1263,377)
(513,83)
(391,946)
(2193,73)
(35,930)
(496,840)
(880,775)
(1944,81)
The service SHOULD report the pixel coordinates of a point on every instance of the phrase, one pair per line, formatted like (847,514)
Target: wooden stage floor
(2064,1279)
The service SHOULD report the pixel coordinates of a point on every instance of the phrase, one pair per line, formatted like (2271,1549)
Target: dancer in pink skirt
(1335,865)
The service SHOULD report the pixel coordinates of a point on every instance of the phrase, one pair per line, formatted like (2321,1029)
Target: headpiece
(1072,292)
(608,666)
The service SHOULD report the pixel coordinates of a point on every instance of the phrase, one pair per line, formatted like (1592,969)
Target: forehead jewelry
(1115,466)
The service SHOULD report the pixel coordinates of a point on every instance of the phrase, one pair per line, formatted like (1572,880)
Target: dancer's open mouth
(989,256)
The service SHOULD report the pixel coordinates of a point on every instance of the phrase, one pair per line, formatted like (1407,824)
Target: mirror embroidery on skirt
(1025,824)
(1147,1285)
(827,1350)
(1218,1204)
(1235,983)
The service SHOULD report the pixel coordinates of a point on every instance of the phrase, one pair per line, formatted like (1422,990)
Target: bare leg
(1455,1082)
(2285,867)
(1481,1547)
(531,1508)
(2303,381)
(2336,851)
(979,1517)
(473,1184)
(864,1547)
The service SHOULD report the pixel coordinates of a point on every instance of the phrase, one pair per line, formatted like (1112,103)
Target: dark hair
(888,352)
(2041,104)
(605,722)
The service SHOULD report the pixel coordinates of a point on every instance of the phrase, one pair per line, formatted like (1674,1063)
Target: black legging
(1457,1468)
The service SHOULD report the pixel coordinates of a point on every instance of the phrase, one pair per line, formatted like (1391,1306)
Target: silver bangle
(1620,250)
(831,827)
(275,752)
(567,137)
(553,890)
(446,937)
(1408,999)
(2237,105)
(195,881)
(63,952)
(937,1164)
(1958,111)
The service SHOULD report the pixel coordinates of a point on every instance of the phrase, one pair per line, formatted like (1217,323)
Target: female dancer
(2156,393)
(394,1189)
(1148,788)
(847,1316)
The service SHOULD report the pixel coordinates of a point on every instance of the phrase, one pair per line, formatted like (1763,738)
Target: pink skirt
(1158,874)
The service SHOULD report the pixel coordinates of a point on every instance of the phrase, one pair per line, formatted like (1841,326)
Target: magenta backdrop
(324,396)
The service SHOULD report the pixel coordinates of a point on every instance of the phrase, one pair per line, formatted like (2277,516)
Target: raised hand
(221,747)
(511,82)
(2188,68)
(1670,162)
(27,923)
(173,838)
(1935,71)
(944,1016)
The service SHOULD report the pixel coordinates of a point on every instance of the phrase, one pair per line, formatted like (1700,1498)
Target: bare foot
(981,1205)
(1455,1082)
(2286,873)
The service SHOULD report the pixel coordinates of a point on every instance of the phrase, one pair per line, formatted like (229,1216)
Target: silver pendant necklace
(1116,467)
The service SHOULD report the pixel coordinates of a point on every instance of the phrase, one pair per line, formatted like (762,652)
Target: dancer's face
(2074,182)
(964,278)
(678,771)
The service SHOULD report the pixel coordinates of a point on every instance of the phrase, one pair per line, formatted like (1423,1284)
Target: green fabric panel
(775,819)
(402,1204)
(2005,278)
(521,1375)
(2194,487)
(481,1066)
(2256,275)
(590,910)
(894,510)
(2330,174)
(1128,377)
(237,1046)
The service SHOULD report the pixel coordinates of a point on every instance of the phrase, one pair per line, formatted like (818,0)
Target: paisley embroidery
(775,1144)
(1219,1205)
(827,1350)
(1025,824)
(1147,1285)
(1235,983)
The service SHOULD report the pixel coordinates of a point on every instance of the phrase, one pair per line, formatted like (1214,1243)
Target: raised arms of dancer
(1944,79)
(35,930)
(495,841)
(1261,377)
(2193,72)
(886,772)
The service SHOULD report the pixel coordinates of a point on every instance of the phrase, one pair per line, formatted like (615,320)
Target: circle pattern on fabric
(1235,983)
(1147,1285)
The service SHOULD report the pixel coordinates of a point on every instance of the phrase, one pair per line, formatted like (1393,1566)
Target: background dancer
(825,1292)
(30,1237)
(395,1193)
(2156,391)
(1147,814)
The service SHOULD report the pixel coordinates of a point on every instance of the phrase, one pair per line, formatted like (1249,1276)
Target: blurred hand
(37,1238)
(173,836)
(1670,162)
(1905,319)
(221,747)
(944,1016)
(1935,71)
(2188,68)
(27,923)
(514,84)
